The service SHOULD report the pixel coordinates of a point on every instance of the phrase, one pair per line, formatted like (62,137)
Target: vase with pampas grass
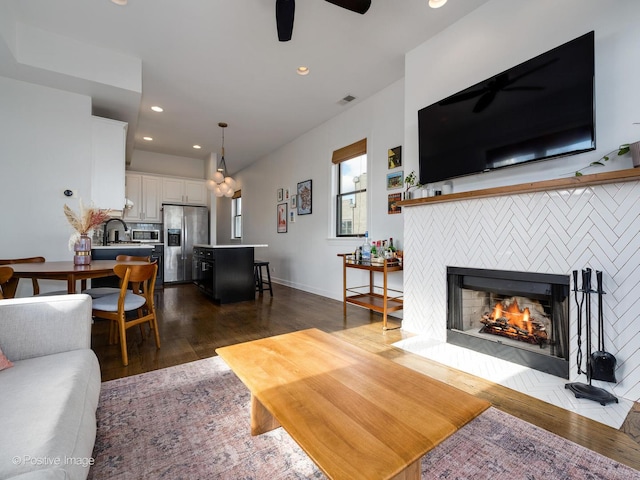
(83,224)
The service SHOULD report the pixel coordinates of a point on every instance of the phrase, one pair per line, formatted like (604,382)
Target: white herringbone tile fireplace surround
(555,231)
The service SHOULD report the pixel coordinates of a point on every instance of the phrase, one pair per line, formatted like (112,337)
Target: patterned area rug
(192,421)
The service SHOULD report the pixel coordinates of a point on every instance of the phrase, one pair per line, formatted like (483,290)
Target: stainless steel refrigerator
(184,227)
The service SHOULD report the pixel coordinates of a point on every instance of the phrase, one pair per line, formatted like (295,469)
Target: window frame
(356,149)
(236,201)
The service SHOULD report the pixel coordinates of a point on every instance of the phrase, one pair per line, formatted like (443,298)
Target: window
(351,197)
(236,215)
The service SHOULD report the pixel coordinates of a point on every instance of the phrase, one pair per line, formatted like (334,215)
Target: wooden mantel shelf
(555,184)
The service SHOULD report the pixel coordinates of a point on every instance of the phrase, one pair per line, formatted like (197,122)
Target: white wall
(306,256)
(172,165)
(45,148)
(504,33)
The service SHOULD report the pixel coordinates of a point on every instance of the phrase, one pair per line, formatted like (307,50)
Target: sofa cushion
(4,361)
(48,420)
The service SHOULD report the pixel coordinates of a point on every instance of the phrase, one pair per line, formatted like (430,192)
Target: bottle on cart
(366,248)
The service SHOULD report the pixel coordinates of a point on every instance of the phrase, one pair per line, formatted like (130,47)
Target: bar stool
(260,282)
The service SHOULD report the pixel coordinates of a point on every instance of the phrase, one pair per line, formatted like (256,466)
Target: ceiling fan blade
(285,10)
(484,101)
(460,97)
(358,6)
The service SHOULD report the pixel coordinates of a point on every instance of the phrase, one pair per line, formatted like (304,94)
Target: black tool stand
(582,390)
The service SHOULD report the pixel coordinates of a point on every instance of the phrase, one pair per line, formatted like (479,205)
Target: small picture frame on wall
(394,180)
(292,216)
(280,194)
(393,206)
(394,156)
(303,193)
(286,195)
(292,202)
(281,216)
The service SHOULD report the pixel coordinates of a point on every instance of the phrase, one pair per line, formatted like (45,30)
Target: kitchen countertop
(125,245)
(230,246)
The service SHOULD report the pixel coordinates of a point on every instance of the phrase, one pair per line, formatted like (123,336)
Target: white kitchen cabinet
(144,192)
(108,146)
(179,190)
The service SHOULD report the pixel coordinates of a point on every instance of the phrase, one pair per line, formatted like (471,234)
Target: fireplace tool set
(600,365)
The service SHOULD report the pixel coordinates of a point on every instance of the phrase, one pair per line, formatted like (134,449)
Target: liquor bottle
(391,247)
(366,248)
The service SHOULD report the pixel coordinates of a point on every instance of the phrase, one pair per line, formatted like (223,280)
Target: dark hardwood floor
(192,327)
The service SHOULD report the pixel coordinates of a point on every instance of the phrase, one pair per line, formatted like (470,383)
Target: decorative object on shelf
(282,217)
(635,154)
(83,224)
(304,197)
(394,180)
(623,149)
(222,184)
(393,206)
(394,156)
(411,182)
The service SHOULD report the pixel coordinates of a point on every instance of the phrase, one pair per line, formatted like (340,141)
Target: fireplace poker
(579,319)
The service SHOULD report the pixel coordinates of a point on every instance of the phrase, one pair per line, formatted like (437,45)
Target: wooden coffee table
(356,414)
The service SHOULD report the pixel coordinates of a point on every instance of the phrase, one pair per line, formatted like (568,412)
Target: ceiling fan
(285,10)
(499,83)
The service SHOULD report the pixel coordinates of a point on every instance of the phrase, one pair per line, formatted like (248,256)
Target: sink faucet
(105,233)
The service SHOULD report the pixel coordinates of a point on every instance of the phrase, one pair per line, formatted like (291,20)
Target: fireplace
(521,317)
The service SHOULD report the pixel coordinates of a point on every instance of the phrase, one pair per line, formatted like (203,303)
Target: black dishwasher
(203,270)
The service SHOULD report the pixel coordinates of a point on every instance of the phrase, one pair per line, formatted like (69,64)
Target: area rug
(192,421)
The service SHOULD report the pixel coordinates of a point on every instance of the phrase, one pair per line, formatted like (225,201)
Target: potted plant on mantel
(411,182)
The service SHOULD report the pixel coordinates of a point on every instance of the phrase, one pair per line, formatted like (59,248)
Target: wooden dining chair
(34,281)
(129,308)
(97,292)
(5,275)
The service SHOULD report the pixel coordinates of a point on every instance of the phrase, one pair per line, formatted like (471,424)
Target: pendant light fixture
(224,185)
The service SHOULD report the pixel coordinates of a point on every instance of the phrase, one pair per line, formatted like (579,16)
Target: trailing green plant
(621,150)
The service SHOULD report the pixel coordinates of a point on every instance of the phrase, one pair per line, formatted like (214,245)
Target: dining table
(63,270)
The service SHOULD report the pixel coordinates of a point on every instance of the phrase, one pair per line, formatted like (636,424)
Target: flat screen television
(540,109)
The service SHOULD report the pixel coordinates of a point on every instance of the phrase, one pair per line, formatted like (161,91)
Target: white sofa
(48,399)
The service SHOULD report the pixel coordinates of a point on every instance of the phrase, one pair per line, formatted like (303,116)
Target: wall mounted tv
(540,109)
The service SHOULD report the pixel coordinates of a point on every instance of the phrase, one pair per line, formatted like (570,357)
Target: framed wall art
(292,202)
(280,194)
(292,216)
(394,180)
(394,156)
(393,206)
(303,193)
(282,217)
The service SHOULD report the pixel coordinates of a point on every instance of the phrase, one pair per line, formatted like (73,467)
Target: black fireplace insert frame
(533,285)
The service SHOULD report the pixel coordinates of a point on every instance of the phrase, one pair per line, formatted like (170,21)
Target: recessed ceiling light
(156,108)
(120,2)
(148,139)
(303,70)
(437,3)
(197,147)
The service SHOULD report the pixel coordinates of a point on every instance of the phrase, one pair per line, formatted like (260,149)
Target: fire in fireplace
(521,317)
(508,320)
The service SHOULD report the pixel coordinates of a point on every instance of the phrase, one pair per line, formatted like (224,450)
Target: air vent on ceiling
(347,99)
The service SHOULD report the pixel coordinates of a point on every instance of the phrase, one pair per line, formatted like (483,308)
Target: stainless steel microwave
(145,236)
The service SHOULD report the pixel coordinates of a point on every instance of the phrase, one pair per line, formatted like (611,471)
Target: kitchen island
(225,272)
